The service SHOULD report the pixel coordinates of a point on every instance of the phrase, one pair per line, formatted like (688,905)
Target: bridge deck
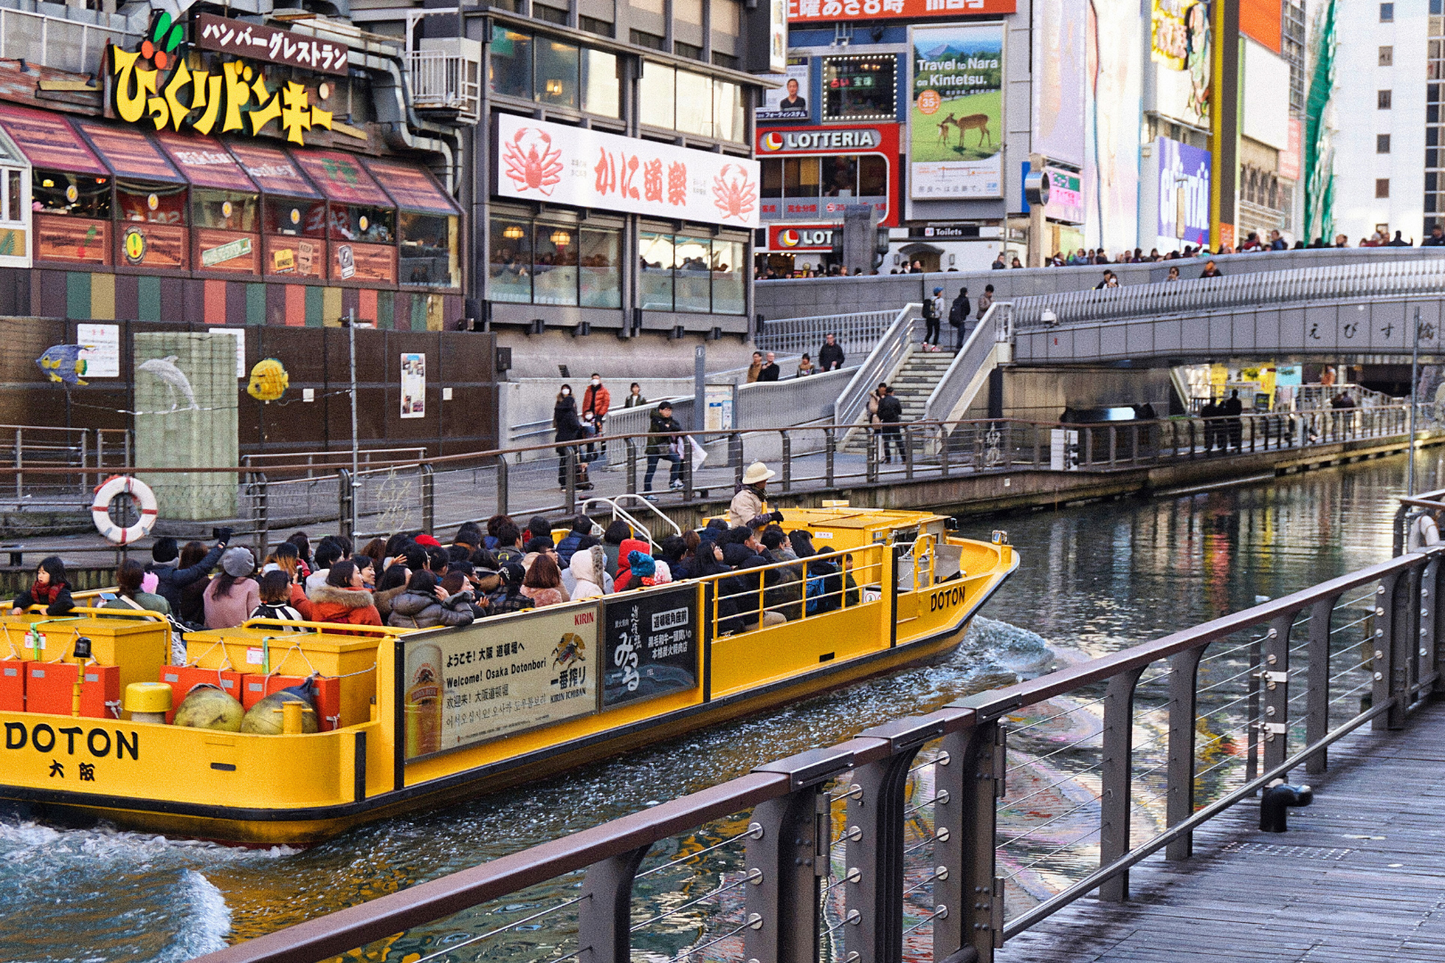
(1360,876)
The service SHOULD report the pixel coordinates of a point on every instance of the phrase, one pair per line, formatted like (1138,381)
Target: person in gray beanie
(232,595)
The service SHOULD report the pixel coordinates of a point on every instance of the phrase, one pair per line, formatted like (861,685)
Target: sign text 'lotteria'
(790,238)
(542,161)
(790,141)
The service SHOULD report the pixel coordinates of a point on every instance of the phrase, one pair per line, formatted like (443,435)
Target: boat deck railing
(949,832)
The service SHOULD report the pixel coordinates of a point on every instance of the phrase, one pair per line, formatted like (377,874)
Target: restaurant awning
(341,177)
(205,162)
(129,153)
(273,171)
(412,187)
(48,140)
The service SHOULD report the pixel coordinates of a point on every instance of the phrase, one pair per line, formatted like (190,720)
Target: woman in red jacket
(343,599)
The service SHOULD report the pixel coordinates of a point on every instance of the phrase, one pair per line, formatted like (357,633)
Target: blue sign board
(1183,190)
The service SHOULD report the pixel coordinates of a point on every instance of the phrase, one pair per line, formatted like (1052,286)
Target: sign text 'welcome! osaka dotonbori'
(156,83)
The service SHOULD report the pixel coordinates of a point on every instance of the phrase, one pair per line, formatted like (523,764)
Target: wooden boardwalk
(1359,877)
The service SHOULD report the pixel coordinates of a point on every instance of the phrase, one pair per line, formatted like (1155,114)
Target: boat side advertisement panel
(650,644)
(498,677)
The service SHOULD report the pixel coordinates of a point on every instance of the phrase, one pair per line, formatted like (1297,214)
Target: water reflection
(1094,578)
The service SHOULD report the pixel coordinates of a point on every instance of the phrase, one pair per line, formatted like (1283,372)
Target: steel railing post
(1115,772)
(569,486)
(1317,702)
(1275,672)
(943,450)
(346,496)
(1252,710)
(604,914)
(428,498)
(787,461)
(631,448)
(971,771)
(870,460)
(503,475)
(263,516)
(876,821)
(1436,618)
(1179,801)
(792,850)
(908,452)
(1388,629)
(735,457)
(830,447)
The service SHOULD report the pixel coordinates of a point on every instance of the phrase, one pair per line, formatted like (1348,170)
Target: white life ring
(100,511)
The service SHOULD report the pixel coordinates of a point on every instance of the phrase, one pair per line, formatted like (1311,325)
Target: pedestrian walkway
(1359,877)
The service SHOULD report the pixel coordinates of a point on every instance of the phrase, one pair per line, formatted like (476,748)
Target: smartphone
(108,596)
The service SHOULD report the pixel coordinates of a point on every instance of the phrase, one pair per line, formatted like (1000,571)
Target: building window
(859,88)
(1382,99)
(694,274)
(554,262)
(1382,143)
(1387,13)
(553,72)
(592,25)
(510,63)
(601,269)
(550,14)
(720,59)
(658,95)
(510,272)
(688,50)
(55,192)
(641,38)
(1387,56)
(692,103)
(601,86)
(557,66)
(1382,187)
(429,251)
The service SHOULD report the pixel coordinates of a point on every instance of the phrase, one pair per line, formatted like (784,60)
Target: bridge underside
(1358,877)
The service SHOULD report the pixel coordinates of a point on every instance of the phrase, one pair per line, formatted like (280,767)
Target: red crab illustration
(532,162)
(733,194)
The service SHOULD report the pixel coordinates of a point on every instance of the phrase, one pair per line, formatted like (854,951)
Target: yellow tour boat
(412,719)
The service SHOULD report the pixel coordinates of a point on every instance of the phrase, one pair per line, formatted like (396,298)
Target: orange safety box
(183,678)
(12,685)
(50,687)
(255,687)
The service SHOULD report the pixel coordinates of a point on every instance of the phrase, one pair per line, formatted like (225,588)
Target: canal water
(1094,578)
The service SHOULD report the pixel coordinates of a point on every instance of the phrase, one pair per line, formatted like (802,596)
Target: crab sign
(732,193)
(532,162)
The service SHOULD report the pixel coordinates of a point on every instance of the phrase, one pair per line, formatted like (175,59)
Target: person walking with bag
(958,317)
(932,314)
(665,432)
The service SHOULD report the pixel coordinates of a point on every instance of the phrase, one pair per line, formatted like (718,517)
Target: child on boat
(49,589)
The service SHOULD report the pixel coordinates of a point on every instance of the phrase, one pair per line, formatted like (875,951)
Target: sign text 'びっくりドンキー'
(650,642)
(542,161)
(235,99)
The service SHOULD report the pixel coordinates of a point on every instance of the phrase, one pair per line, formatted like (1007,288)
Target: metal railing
(92,452)
(1376,278)
(444,80)
(887,355)
(978,351)
(855,332)
(58,42)
(936,832)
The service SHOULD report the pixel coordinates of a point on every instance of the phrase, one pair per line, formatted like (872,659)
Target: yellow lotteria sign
(155,83)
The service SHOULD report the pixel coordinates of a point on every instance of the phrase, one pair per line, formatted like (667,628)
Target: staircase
(913,384)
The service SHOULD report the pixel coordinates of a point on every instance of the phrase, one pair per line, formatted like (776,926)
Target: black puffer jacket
(413,610)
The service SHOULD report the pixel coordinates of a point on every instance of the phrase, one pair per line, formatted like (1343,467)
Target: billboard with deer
(955,114)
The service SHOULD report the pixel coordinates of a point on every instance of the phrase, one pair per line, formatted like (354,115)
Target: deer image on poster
(955,117)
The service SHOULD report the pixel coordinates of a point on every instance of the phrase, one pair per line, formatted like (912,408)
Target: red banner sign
(826,11)
(787,238)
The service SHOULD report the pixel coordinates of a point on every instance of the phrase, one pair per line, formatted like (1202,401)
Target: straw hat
(757,472)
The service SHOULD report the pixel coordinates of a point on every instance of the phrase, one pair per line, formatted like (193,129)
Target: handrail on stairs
(891,349)
(996,326)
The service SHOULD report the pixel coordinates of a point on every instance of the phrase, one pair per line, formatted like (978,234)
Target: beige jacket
(746,506)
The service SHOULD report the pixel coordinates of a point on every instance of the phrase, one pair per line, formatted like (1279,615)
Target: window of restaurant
(554,261)
(69,203)
(293,213)
(225,205)
(14,206)
(361,220)
(429,235)
(693,274)
(839,175)
(658,95)
(553,72)
(860,88)
(692,103)
(151,198)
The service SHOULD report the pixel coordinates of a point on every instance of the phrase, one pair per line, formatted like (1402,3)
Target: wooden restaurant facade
(267,208)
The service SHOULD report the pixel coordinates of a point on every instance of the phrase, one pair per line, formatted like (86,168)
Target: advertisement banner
(497,677)
(789,101)
(413,386)
(558,164)
(1180,44)
(801,237)
(827,11)
(650,644)
(1058,98)
(955,115)
(841,148)
(1183,191)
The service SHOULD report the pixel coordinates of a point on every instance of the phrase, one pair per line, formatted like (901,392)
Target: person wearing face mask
(569,428)
(596,401)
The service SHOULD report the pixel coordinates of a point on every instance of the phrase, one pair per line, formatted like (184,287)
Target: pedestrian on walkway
(770,370)
(1232,410)
(830,356)
(985,301)
(1211,270)
(1210,414)
(596,402)
(890,413)
(932,317)
(756,368)
(634,397)
(569,428)
(666,433)
(805,367)
(958,314)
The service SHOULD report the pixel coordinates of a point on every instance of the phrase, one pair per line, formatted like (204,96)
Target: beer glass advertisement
(955,114)
(651,644)
(498,677)
(789,101)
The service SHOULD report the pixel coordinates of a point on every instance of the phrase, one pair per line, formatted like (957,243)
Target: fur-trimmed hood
(344,597)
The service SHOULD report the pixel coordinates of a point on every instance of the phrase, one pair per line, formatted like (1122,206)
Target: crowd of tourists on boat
(413,580)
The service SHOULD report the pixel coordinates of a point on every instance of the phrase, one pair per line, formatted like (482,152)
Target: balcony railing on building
(74,43)
(446,75)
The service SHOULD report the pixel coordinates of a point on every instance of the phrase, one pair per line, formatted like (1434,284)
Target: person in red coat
(596,402)
(342,598)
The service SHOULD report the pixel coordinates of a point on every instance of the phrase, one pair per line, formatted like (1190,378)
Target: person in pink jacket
(232,595)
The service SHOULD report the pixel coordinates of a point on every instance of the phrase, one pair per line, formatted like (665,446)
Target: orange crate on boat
(50,687)
(255,687)
(183,678)
(12,685)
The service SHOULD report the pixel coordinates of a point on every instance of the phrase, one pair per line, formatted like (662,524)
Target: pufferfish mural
(63,363)
(269,381)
